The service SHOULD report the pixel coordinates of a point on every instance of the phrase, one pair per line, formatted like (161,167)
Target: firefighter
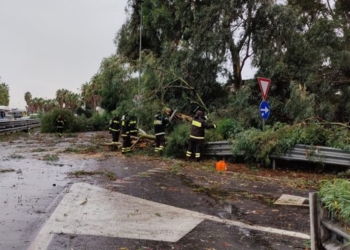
(159,131)
(114,129)
(197,134)
(60,122)
(133,130)
(125,133)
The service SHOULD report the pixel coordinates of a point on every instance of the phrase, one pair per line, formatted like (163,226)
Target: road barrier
(315,154)
(325,233)
(300,152)
(218,148)
(7,127)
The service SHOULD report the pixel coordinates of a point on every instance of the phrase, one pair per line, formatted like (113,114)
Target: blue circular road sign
(264,109)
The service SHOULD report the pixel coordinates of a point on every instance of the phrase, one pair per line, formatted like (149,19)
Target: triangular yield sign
(264,86)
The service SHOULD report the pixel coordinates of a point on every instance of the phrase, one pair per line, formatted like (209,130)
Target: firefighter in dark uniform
(60,123)
(159,131)
(133,130)
(197,133)
(125,133)
(114,129)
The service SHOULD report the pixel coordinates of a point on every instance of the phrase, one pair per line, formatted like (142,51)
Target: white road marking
(91,210)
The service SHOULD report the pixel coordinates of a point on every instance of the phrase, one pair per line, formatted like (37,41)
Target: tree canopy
(4,94)
(185,54)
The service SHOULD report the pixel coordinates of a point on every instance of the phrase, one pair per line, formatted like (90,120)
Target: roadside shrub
(74,124)
(228,128)
(313,134)
(213,135)
(257,145)
(177,142)
(87,112)
(335,197)
(98,122)
(79,124)
(48,120)
(338,137)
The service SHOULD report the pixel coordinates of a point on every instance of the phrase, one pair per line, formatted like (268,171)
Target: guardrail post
(315,222)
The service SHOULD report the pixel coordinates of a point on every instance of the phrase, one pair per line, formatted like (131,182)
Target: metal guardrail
(218,148)
(299,152)
(326,233)
(11,126)
(316,154)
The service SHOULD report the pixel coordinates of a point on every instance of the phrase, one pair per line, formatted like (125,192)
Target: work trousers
(115,136)
(195,146)
(160,144)
(59,129)
(126,146)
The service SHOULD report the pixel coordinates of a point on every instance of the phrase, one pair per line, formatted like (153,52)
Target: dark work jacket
(198,127)
(60,122)
(133,127)
(114,125)
(159,125)
(124,128)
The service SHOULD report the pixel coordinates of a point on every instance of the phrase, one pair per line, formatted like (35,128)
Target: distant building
(6,108)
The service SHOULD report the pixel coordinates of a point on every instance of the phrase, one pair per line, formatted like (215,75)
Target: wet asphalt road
(31,192)
(30,184)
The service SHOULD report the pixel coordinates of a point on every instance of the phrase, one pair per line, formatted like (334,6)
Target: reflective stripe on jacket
(114,125)
(159,125)
(198,127)
(124,127)
(133,128)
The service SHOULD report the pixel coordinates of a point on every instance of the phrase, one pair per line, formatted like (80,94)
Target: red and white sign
(264,86)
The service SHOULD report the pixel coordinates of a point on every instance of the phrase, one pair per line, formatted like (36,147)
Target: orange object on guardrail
(221,166)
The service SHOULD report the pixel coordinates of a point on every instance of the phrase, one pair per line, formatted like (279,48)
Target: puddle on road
(27,192)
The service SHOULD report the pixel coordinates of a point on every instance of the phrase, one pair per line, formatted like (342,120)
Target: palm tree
(41,104)
(61,96)
(34,105)
(90,92)
(4,94)
(28,98)
(95,87)
(86,94)
(72,100)
(49,104)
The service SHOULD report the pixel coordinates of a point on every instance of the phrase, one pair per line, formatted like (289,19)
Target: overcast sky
(46,45)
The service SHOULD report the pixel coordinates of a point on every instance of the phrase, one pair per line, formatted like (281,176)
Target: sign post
(264,107)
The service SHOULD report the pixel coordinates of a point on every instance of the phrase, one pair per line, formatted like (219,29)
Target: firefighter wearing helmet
(159,130)
(197,134)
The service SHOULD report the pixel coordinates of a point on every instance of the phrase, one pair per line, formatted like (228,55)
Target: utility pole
(139,86)
(139,96)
